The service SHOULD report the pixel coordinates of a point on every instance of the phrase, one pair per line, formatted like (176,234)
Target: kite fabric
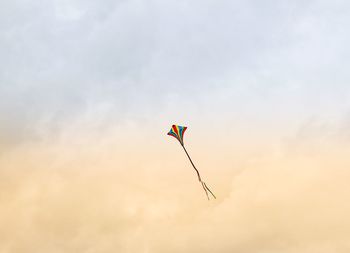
(178,133)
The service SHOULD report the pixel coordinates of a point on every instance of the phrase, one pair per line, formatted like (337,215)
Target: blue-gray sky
(222,60)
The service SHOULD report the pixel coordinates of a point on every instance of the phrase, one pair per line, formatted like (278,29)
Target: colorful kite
(178,133)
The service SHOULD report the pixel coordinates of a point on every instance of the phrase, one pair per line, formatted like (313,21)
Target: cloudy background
(89,89)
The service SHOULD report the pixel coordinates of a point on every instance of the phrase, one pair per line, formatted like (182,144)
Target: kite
(178,132)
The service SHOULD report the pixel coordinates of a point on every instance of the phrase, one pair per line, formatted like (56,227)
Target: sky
(89,89)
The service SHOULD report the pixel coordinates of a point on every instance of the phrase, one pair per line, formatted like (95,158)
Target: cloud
(89,192)
(86,89)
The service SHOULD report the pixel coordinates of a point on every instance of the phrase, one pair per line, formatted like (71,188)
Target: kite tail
(206,192)
(205,187)
(209,190)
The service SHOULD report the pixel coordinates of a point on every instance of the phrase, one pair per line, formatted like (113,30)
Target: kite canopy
(178,132)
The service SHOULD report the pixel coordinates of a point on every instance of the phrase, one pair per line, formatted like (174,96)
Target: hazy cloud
(90,193)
